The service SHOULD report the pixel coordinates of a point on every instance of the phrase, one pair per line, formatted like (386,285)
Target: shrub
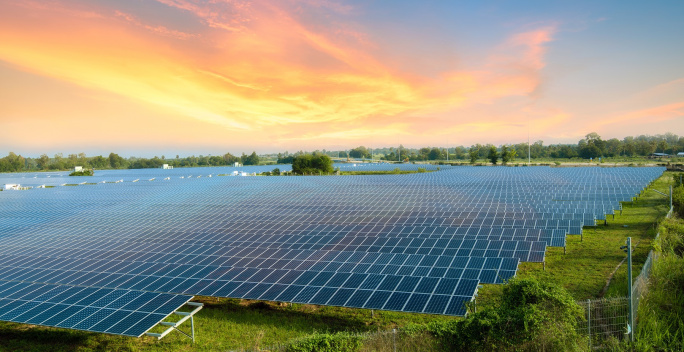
(678,200)
(338,342)
(312,164)
(533,316)
(86,172)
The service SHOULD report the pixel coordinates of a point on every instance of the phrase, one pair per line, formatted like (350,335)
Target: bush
(671,238)
(82,173)
(339,342)
(533,316)
(678,200)
(312,164)
(661,327)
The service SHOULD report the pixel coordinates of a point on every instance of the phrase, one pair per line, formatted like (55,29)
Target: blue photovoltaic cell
(116,257)
(82,308)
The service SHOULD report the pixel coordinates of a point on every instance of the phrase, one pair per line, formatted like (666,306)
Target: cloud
(261,69)
(658,114)
(162,30)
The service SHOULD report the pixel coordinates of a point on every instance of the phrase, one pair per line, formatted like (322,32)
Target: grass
(232,324)
(223,324)
(589,261)
(661,310)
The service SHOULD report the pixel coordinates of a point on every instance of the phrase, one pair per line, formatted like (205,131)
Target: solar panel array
(415,242)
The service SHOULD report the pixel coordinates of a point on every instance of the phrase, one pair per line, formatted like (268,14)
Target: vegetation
(493,155)
(661,310)
(531,316)
(308,164)
(629,149)
(338,342)
(86,172)
(678,194)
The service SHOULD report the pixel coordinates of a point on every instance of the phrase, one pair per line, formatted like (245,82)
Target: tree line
(592,146)
(17,163)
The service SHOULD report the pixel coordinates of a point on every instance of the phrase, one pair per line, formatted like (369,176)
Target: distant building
(78,168)
(167,167)
(12,186)
(680,154)
(659,155)
(237,164)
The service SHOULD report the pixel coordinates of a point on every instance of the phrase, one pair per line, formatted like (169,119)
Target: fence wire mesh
(605,319)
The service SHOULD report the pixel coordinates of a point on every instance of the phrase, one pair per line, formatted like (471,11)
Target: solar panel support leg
(544,265)
(174,326)
(564,250)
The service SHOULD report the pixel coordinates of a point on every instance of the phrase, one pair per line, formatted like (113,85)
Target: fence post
(629,287)
(394,339)
(589,320)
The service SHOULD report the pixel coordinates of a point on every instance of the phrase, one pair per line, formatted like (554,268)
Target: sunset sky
(146,77)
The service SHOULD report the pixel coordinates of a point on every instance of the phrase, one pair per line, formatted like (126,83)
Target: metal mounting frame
(174,326)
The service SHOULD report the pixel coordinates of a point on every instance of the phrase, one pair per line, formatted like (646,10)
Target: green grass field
(231,324)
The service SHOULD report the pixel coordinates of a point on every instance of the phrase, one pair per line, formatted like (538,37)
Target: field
(231,324)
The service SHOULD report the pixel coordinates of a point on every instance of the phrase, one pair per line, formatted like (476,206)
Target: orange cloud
(259,70)
(667,112)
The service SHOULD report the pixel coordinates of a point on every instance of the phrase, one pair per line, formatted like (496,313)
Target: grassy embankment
(231,324)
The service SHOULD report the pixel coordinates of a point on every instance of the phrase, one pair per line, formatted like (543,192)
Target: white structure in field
(167,167)
(78,168)
(12,186)
(237,164)
(240,173)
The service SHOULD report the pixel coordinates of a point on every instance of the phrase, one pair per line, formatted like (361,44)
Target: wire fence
(607,319)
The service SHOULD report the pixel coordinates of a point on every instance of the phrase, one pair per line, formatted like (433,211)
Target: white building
(12,186)
(237,164)
(78,168)
(167,167)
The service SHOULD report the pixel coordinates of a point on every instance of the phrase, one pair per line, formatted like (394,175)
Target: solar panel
(112,311)
(416,243)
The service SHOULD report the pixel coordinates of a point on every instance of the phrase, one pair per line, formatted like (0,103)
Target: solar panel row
(417,243)
(121,312)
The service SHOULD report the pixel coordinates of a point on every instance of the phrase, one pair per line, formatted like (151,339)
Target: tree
(359,152)
(505,157)
(252,159)
(473,155)
(507,154)
(312,164)
(434,154)
(116,162)
(43,162)
(99,162)
(592,146)
(493,156)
